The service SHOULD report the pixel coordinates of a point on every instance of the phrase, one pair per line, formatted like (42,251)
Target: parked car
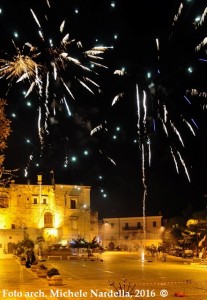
(187,253)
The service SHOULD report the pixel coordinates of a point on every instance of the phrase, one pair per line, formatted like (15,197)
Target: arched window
(48,220)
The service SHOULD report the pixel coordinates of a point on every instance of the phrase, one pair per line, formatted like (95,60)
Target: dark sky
(114,151)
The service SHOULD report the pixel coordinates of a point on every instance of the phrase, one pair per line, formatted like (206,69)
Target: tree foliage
(187,232)
(5,129)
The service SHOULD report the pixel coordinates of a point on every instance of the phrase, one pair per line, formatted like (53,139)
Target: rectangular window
(138,225)
(72,204)
(112,225)
(44,201)
(34,200)
(154,224)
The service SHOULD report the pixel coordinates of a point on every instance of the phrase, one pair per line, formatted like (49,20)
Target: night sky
(110,159)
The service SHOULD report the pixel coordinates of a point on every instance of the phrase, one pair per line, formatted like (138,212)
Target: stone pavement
(19,283)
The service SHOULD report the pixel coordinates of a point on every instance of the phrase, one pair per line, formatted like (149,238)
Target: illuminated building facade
(58,213)
(128,233)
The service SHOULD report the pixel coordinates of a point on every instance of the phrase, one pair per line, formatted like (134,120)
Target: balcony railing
(132,228)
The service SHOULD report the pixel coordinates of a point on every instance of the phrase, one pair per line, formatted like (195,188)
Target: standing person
(33,258)
(28,262)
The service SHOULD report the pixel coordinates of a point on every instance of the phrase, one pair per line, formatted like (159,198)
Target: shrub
(53,272)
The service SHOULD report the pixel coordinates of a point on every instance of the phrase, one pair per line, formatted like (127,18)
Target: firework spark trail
(178,14)
(164,127)
(117,98)
(97,128)
(142,131)
(188,124)
(186,98)
(138,112)
(183,163)
(67,107)
(40,127)
(144,193)
(199,47)
(202,19)
(149,151)
(163,116)
(177,132)
(174,159)
(195,123)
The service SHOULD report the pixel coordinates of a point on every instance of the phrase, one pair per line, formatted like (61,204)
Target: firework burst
(50,69)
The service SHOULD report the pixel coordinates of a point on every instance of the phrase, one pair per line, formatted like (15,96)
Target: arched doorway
(111,246)
(10,247)
(48,220)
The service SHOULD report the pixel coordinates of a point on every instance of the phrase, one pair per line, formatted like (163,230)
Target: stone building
(131,233)
(58,213)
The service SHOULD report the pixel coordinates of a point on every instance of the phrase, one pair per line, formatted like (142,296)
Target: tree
(5,129)
(173,232)
(197,229)
(82,243)
(24,246)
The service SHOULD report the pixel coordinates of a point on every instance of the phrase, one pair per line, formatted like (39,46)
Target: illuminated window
(72,204)
(48,220)
(138,225)
(44,201)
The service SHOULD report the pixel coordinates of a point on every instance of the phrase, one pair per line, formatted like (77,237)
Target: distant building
(55,213)
(128,233)
(58,213)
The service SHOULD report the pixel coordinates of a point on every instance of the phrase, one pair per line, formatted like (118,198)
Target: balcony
(132,228)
